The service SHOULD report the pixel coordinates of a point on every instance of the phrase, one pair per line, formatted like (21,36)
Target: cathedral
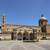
(24,32)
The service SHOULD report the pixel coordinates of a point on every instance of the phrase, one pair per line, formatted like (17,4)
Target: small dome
(3,14)
(42,17)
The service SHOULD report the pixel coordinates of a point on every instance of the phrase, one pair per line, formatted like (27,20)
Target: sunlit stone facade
(23,32)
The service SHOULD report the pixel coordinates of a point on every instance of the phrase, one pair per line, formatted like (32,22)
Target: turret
(42,21)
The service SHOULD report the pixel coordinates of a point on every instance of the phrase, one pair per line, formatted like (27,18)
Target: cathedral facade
(23,32)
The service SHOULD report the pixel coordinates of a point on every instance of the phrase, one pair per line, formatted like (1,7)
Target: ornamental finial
(42,15)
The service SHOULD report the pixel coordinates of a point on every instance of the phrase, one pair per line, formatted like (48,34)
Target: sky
(24,12)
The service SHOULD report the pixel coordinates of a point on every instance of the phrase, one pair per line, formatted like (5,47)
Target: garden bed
(30,40)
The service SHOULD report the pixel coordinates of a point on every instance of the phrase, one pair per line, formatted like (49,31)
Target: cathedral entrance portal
(25,36)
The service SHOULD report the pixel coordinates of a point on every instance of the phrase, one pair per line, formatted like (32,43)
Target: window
(43,30)
(35,30)
(3,22)
(19,30)
(3,18)
(42,23)
(39,30)
(7,29)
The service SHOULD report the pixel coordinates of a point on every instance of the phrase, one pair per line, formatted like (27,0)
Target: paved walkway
(19,45)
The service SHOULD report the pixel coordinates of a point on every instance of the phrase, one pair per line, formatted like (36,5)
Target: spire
(42,15)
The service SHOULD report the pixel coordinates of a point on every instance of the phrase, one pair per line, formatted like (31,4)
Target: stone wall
(10,27)
(5,36)
(48,28)
(40,35)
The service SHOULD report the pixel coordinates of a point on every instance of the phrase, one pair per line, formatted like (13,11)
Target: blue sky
(24,12)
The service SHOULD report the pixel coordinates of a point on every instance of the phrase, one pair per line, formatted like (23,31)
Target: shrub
(37,40)
(30,40)
(4,39)
(43,38)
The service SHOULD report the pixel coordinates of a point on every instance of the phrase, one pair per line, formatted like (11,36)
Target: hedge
(30,40)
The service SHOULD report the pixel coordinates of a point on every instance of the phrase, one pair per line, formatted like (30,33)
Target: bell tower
(3,20)
(42,21)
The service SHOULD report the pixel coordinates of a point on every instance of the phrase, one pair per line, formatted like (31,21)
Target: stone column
(17,35)
(22,35)
(14,34)
(28,36)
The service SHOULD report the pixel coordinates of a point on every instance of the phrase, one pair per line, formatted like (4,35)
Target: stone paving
(19,45)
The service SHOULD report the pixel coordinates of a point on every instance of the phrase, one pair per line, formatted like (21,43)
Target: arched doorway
(31,36)
(25,36)
(19,36)
(12,36)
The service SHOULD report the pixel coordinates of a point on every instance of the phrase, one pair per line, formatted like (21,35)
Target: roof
(20,25)
(42,17)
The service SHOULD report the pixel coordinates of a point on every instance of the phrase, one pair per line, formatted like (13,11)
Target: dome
(3,14)
(42,17)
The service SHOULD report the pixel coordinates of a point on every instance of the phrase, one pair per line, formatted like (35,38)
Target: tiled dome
(42,17)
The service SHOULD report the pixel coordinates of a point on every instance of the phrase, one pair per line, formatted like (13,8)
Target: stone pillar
(17,36)
(28,36)
(14,35)
(22,36)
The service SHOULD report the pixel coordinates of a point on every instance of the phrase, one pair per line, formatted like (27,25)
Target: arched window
(7,29)
(39,30)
